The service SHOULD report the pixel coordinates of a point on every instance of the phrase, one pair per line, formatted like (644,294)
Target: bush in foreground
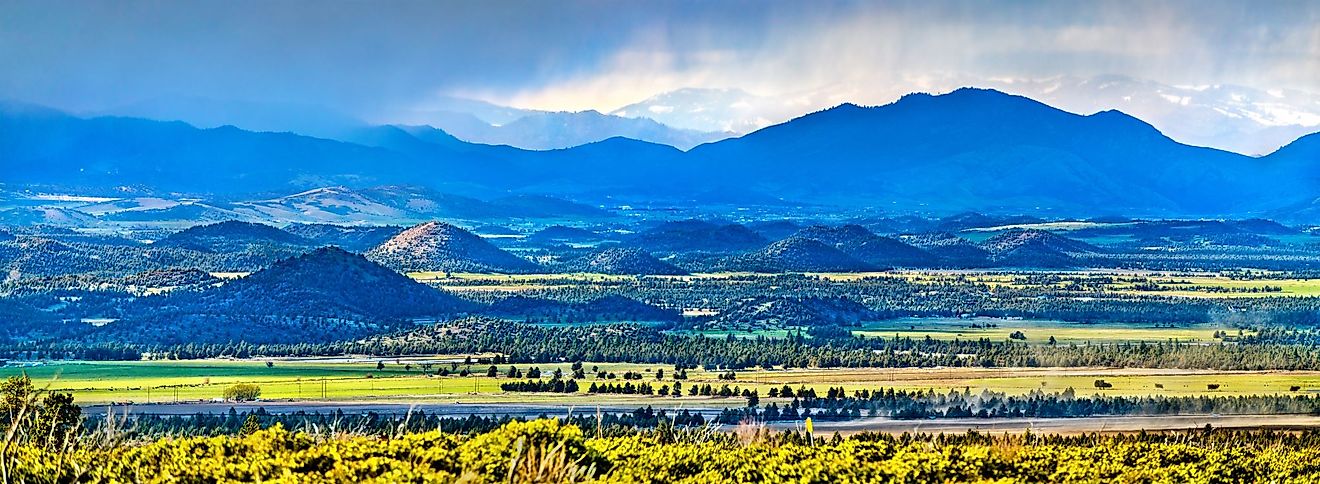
(548,451)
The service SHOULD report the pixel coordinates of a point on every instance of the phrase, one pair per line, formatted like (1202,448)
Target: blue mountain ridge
(972,149)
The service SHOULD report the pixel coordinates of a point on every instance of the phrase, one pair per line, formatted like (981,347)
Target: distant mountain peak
(1223,116)
(713,109)
(1304,148)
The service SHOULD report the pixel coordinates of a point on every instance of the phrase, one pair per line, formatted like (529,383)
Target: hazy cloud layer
(371,59)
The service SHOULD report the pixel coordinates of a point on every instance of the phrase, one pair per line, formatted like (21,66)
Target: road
(1061,425)
(392,408)
(876,424)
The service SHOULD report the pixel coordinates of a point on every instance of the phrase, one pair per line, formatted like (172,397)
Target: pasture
(361,381)
(1114,282)
(1001,329)
(1039,332)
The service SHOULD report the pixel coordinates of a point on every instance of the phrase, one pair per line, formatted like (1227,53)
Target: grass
(1290,287)
(1172,285)
(1038,332)
(777,333)
(525,282)
(299,380)
(1022,380)
(166,381)
(999,329)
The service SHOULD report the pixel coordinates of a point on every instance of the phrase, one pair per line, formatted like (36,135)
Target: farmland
(404,379)
(1100,282)
(1040,332)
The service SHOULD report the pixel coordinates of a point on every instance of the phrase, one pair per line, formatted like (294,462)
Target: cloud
(365,58)
(872,53)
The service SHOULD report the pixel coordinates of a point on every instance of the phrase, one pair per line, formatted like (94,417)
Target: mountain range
(382,205)
(1229,117)
(556,130)
(985,149)
(713,110)
(1234,118)
(971,149)
(469,120)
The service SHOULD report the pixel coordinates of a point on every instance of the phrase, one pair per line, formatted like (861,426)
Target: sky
(370,58)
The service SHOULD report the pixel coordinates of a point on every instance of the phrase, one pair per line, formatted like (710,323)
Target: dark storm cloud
(369,57)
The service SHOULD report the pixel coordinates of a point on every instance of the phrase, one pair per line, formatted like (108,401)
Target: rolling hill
(233,236)
(436,246)
(779,312)
(325,295)
(859,243)
(183,212)
(774,229)
(950,250)
(330,282)
(350,238)
(797,254)
(394,203)
(624,261)
(1035,248)
(696,235)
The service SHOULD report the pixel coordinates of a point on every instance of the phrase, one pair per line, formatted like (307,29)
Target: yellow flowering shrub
(549,451)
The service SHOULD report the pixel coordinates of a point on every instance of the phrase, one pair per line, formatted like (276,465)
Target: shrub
(496,452)
(243,392)
(35,416)
(548,451)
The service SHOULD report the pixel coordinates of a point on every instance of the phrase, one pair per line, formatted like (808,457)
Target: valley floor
(402,381)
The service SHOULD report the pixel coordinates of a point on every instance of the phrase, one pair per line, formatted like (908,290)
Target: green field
(191,381)
(166,381)
(1172,285)
(776,333)
(1289,287)
(1039,332)
(999,329)
(1179,285)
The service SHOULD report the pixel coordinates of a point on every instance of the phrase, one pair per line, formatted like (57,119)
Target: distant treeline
(1029,297)
(523,343)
